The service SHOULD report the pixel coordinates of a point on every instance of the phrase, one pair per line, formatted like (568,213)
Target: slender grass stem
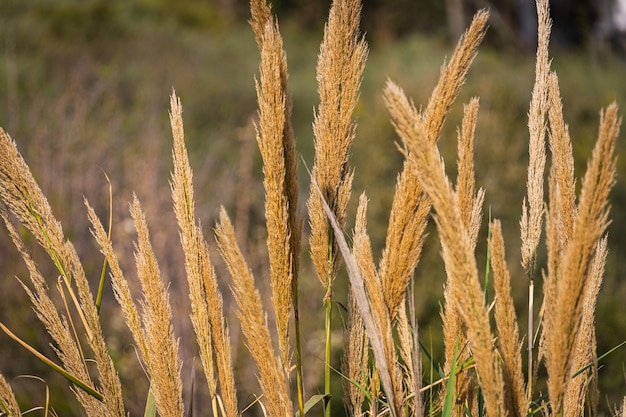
(296,315)
(531,292)
(328,299)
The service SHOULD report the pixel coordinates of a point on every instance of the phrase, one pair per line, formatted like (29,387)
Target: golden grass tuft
(532,207)
(207,312)
(272,374)
(22,196)
(509,344)
(340,66)
(8,403)
(568,278)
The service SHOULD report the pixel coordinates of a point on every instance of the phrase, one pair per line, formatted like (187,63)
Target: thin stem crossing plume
(383,372)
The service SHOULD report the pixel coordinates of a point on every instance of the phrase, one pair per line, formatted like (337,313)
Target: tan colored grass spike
(270,137)
(461,268)
(562,163)
(184,208)
(409,211)
(272,375)
(365,308)
(121,290)
(207,314)
(562,317)
(339,70)
(261,15)
(532,208)
(509,343)
(585,384)
(8,403)
(470,203)
(355,360)
(410,354)
(65,345)
(162,346)
(452,76)
(22,196)
(363,256)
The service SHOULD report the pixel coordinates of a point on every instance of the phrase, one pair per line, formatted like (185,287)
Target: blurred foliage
(84,87)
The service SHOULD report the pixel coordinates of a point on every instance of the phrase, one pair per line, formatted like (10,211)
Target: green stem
(327,369)
(531,291)
(296,315)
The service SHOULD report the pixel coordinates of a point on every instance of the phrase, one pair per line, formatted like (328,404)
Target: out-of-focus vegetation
(84,85)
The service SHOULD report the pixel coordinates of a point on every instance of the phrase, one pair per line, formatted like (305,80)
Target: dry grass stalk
(461,269)
(355,360)
(532,207)
(271,138)
(586,384)
(182,196)
(363,255)
(562,169)
(339,70)
(508,333)
(365,309)
(568,284)
(410,207)
(272,376)
(8,403)
(410,354)
(121,290)
(452,76)
(23,197)
(162,362)
(207,315)
(470,202)
(56,324)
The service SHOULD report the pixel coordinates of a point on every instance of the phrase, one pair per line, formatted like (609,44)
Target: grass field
(79,110)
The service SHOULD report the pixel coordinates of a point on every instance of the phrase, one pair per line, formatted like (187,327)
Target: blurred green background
(84,89)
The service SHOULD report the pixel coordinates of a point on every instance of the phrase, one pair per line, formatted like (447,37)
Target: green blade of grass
(150,410)
(448,403)
(311,402)
(80,384)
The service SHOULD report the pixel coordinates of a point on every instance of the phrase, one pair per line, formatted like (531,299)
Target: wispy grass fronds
(162,347)
(279,209)
(410,354)
(452,76)
(22,196)
(363,256)
(562,168)
(191,241)
(207,313)
(277,144)
(584,386)
(8,403)
(460,263)
(339,70)
(509,344)
(470,202)
(569,282)
(355,362)
(121,290)
(65,345)
(272,375)
(365,309)
(532,207)
(410,208)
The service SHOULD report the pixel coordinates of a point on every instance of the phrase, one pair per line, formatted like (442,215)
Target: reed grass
(482,373)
